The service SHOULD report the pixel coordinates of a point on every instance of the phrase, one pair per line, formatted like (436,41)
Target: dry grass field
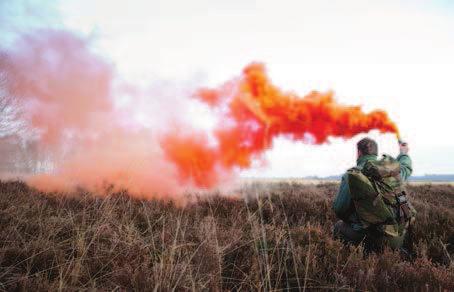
(277,238)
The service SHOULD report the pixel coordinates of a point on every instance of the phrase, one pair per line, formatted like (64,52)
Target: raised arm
(405,161)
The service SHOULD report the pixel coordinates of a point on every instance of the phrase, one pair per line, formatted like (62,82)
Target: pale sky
(393,55)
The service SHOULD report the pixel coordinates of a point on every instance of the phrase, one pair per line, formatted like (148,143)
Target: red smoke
(70,95)
(253,112)
(63,86)
(67,95)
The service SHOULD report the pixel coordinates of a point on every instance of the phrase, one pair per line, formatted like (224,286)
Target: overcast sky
(393,55)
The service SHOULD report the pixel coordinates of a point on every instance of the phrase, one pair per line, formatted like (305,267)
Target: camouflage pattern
(344,207)
(369,205)
(375,190)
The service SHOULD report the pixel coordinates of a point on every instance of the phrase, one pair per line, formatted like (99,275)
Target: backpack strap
(404,208)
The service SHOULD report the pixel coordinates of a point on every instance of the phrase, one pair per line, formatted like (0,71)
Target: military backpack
(379,196)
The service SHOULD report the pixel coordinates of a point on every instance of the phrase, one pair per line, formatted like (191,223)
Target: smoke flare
(69,95)
(253,112)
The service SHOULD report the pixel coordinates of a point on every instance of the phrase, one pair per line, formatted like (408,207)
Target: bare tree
(19,151)
(10,118)
(14,154)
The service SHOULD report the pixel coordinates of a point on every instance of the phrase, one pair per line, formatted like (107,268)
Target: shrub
(278,237)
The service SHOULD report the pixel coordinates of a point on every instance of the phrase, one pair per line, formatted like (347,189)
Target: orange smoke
(63,87)
(68,99)
(253,112)
(88,129)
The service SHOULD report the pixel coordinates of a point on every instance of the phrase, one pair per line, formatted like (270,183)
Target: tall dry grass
(277,238)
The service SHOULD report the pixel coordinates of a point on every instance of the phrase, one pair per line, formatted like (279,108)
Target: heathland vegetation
(277,237)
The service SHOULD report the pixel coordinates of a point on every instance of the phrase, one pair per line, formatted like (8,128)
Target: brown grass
(277,238)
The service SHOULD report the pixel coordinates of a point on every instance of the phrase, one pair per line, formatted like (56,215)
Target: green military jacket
(343,205)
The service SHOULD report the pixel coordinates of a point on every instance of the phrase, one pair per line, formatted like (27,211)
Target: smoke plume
(253,112)
(66,93)
(70,97)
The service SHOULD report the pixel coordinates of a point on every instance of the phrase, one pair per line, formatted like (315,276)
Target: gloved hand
(403,147)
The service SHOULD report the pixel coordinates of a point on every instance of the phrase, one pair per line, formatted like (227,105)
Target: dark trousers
(347,234)
(373,239)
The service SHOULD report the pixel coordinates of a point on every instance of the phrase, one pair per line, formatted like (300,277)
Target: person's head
(367,146)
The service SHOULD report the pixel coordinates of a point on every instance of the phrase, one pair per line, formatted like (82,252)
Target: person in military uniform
(375,231)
